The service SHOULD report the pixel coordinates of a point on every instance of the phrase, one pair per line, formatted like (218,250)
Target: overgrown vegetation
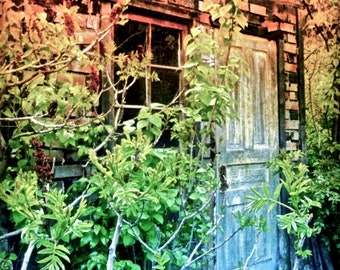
(313,188)
(139,207)
(322,73)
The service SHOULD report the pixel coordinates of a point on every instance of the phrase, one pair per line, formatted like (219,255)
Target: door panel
(244,146)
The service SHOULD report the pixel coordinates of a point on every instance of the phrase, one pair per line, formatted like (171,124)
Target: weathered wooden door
(244,146)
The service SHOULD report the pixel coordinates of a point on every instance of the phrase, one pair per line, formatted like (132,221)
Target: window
(163,40)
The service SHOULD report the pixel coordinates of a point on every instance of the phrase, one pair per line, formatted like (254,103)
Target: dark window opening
(164,45)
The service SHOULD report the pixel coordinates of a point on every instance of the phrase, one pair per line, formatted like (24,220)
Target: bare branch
(245,267)
(174,235)
(217,246)
(10,234)
(28,253)
(140,240)
(194,251)
(114,243)
(83,195)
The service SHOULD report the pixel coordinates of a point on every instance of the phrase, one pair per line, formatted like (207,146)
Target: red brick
(292,105)
(205,18)
(293,96)
(185,3)
(287,27)
(271,26)
(291,146)
(291,48)
(243,6)
(292,124)
(291,38)
(286,95)
(279,15)
(259,10)
(291,67)
(292,86)
(291,18)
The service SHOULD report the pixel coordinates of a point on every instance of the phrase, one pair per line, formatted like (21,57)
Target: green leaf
(159,218)
(96,228)
(62,255)
(265,190)
(277,192)
(63,249)
(128,240)
(156,119)
(46,259)
(146,225)
(258,194)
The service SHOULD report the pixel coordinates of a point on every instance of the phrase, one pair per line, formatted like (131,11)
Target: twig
(28,253)
(112,249)
(318,28)
(10,234)
(252,251)
(216,246)
(190,259)
(174,235)
(140,240)
(84,195)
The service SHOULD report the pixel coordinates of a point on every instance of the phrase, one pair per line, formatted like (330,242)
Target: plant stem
(245,267)
(10,234)
(28,253)
(112,249)
(297,258)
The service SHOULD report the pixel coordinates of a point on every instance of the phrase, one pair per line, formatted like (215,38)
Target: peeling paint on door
(245,145)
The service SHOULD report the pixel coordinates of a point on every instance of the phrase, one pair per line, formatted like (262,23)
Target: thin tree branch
(10,234)
(174,235)
(83,195)
(217,246)
(28,253)
(252,252)
(209,232)
(112,249)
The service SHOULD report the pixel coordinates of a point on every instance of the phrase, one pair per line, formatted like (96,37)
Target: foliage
(322,81)
(6,259)
(44,217)
(313,201)
(300,204)
(325,189)
(150,202)
(322,77)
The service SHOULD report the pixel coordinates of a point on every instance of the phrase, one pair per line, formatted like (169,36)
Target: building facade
(271,108)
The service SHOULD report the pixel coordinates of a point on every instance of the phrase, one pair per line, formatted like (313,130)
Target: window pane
(165,90)
(164,43)
(136,93)
(129,36)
